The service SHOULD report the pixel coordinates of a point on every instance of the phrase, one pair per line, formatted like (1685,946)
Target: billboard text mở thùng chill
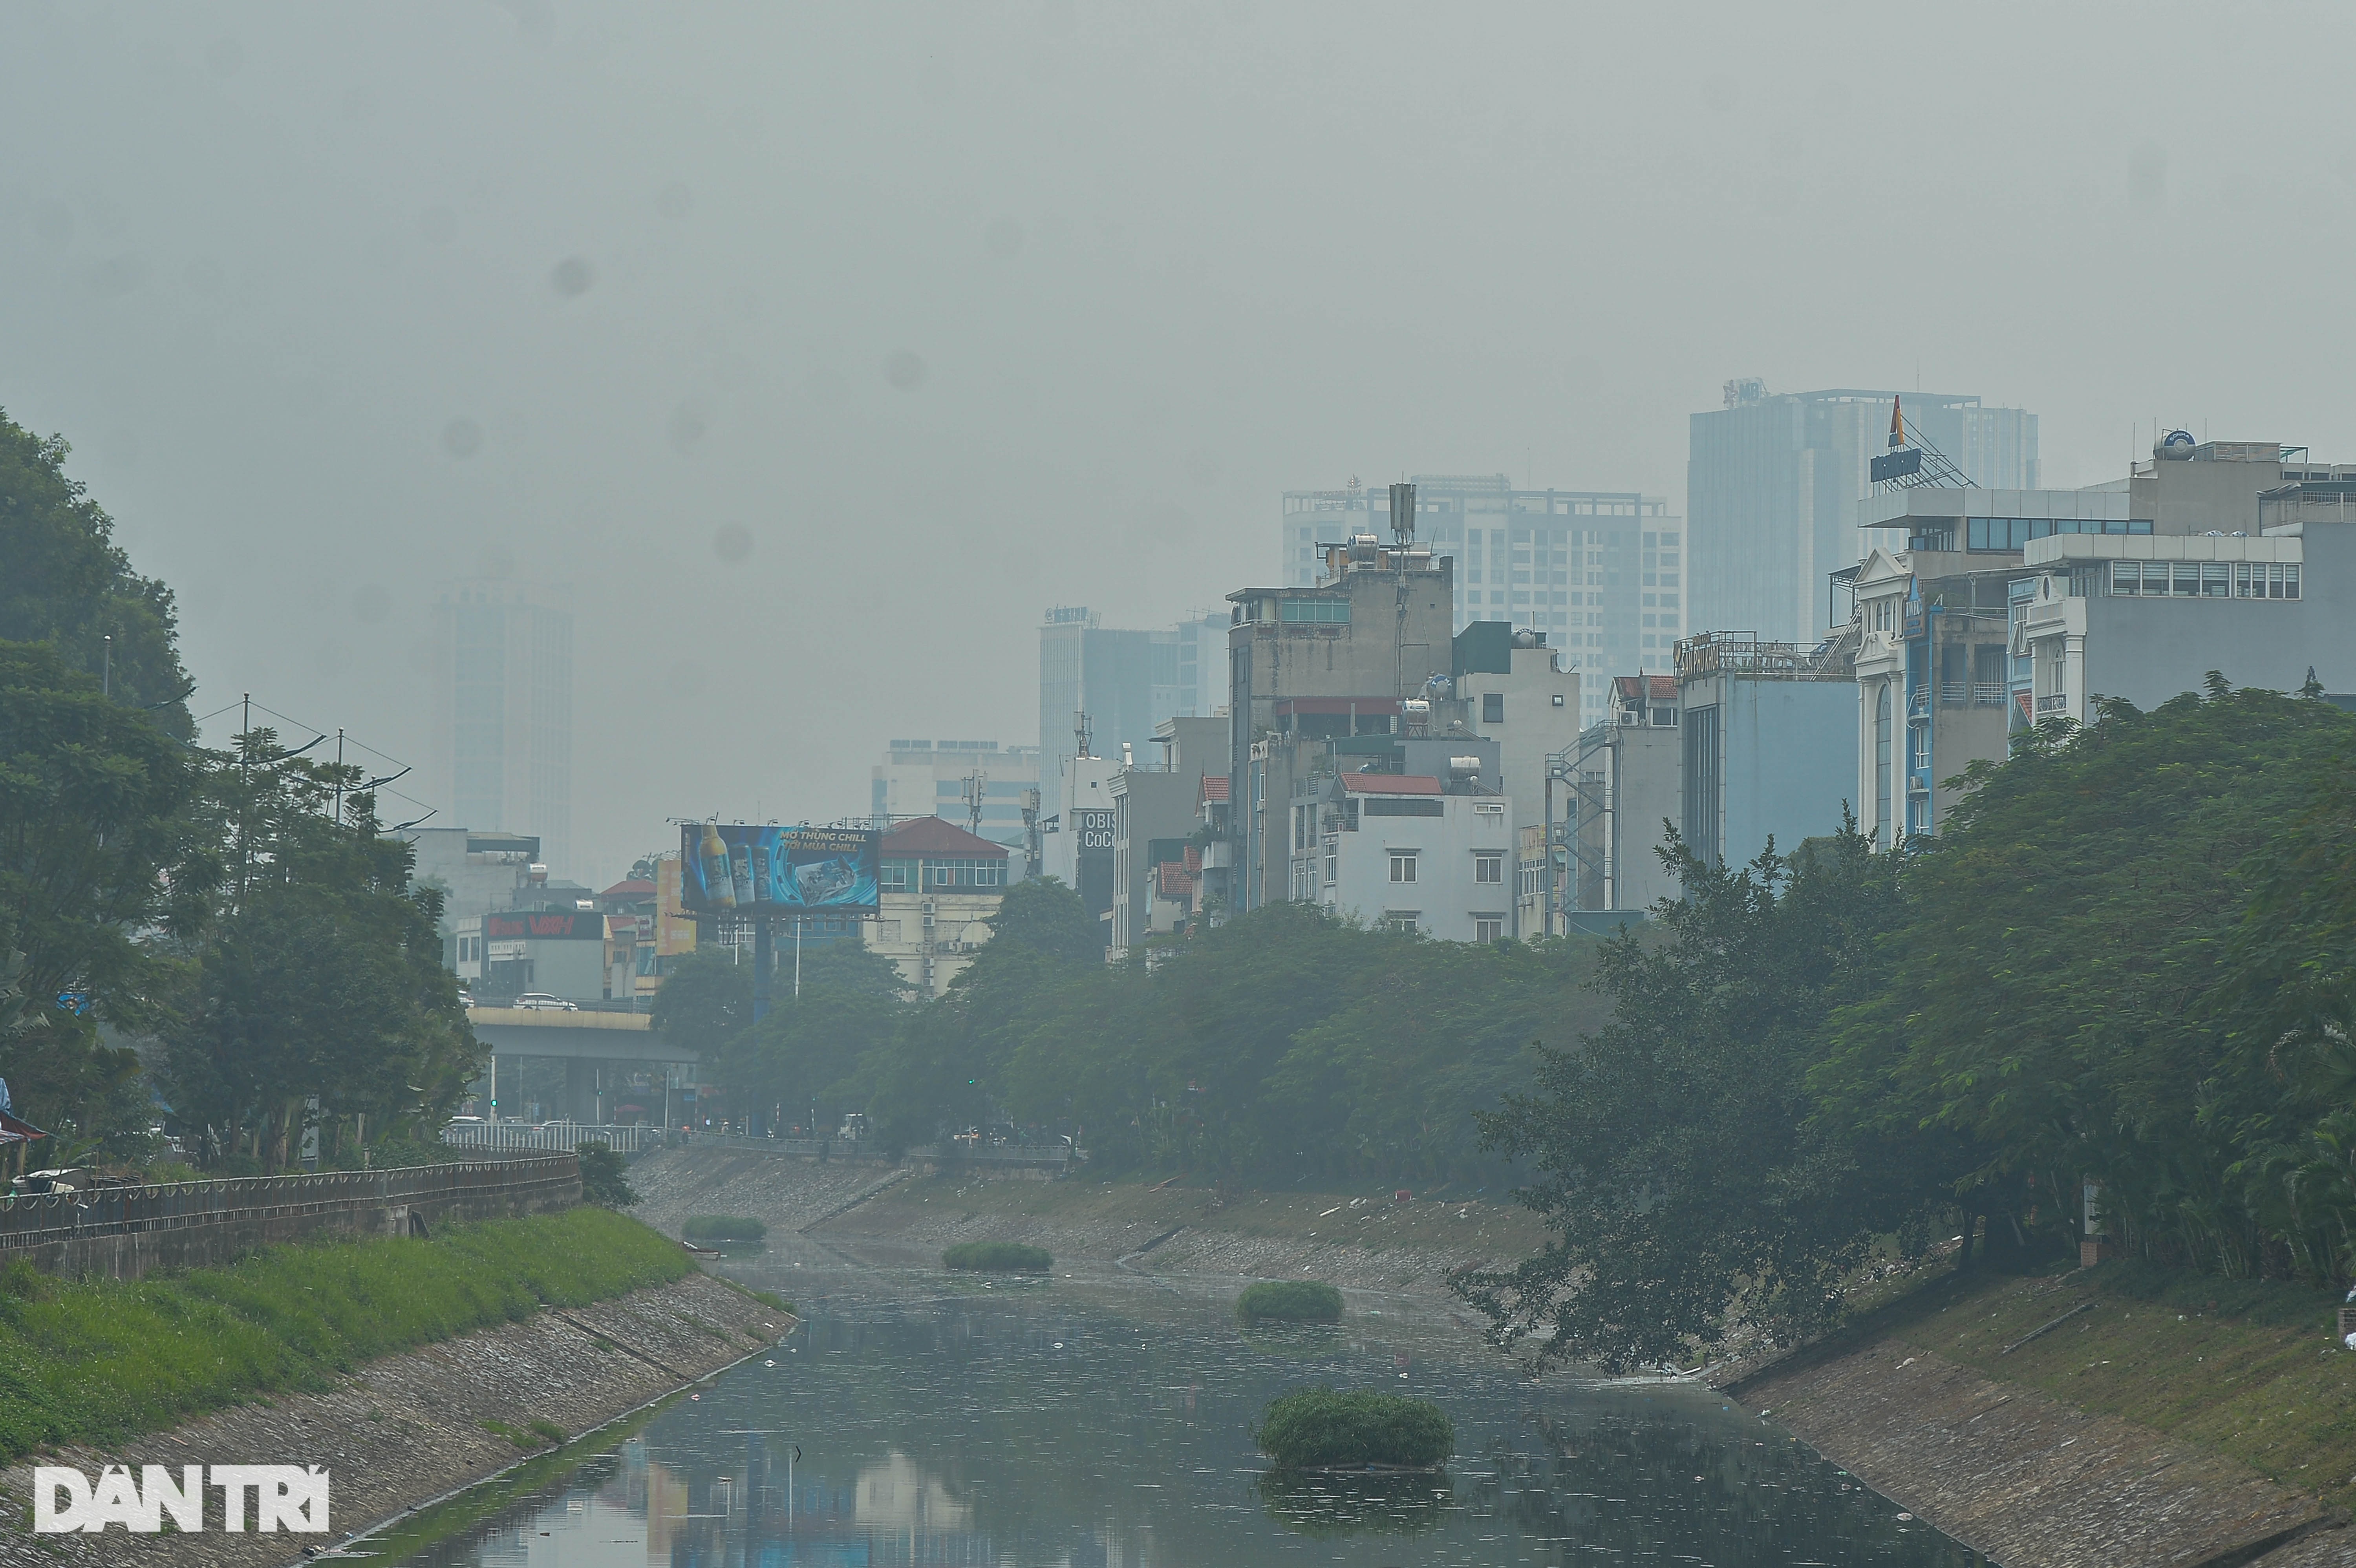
(770,871)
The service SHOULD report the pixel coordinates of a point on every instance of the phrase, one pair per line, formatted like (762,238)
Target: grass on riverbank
(100,1362)
(2250,1370)
(1289,1301)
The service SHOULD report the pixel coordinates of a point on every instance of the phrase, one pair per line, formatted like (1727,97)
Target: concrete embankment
(1363,1240)
(1359,1241)
(2052,1423)
(409,1428)
(784,1192)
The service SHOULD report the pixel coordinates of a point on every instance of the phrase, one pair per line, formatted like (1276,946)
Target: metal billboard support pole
(764,954)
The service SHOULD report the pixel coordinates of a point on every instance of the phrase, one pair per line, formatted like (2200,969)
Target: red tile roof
(1214,787)
(629,889)
(1390,783)
(931,836)
(1663,688)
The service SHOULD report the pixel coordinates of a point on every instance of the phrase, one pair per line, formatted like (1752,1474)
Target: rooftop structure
(1598,571)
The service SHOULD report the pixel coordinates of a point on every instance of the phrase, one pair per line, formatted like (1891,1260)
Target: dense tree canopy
(67,583)
(100,852)
(2124,961)
(1282,1044)
(320,974)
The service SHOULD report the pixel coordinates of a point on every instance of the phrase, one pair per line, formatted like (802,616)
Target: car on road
(542,1002)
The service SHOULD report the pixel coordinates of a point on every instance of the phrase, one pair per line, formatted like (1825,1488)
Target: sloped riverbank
(2089,1419)
(403,1430)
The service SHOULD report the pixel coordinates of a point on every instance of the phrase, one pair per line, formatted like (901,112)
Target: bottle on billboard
(764,889)
(719,887)
(743,874)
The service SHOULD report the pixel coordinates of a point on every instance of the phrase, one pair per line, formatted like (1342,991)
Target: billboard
(771,870)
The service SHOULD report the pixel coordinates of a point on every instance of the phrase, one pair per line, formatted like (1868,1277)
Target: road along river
(1100,1418)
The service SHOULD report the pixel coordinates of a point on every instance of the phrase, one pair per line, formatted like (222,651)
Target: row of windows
(900,876)
(2014,533)
(1485,927)
(1487,868)
(2205,579)
(1322,612)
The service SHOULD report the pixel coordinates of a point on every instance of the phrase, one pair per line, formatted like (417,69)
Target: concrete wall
(2148,650)
(1788,759)
(125,1232)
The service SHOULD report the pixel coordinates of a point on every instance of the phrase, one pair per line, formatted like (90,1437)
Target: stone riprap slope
(1361,1240)
(408,1428)
(784,1192)
(2031,1481)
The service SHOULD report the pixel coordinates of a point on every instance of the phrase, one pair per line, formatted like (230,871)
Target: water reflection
(1104,1425)
(1352,1505)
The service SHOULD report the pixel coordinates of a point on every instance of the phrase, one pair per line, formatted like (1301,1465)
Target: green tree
(705,1002)
(1047,917)
(1678,1160)
(99,850)
(2050,998)
(807,1052)
(67,584)
(320,975)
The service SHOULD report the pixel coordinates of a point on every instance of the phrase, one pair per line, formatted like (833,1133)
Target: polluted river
(1098,1418)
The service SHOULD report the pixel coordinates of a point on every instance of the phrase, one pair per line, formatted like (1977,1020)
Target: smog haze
(819,350)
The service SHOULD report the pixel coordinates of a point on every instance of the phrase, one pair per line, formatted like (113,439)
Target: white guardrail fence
(558,1136)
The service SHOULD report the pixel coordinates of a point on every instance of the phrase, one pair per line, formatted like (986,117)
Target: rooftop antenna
(974,789)
(1403,514)
(1080,732)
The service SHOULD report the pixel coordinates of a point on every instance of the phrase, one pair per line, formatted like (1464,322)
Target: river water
(1099,1419)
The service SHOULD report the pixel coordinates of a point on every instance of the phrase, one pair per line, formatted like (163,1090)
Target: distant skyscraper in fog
(503,710)
(1770,483)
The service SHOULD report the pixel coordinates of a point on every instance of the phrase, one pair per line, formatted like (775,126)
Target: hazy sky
(958,311)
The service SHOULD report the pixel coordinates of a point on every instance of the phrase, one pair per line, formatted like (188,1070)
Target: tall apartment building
(503,709)
(935,778)
(1772,481)
(1597,570)
(1128,683)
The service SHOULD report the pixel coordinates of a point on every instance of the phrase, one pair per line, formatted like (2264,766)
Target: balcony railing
(2053,702)
(1974,694)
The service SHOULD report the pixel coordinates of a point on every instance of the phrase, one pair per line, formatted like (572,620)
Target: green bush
(100,1362)
(1289,1301)
(602,1182)
(722,1228)
(1320,1426)
(998,1257)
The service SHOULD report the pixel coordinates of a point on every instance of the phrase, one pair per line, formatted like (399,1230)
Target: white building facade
(1408,853)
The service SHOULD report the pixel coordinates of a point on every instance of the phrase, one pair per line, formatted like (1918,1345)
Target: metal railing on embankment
(562,1138)
(1055,1156)
(34,1220)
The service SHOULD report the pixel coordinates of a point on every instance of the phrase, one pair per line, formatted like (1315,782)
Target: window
(899,876)
(1402,865)
(1407,806)
(1492,708)
(964,873)
(1407,922)
(1488,928)
(2265,579)
(1489,869)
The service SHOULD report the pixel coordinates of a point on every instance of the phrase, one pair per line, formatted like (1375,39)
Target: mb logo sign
(284,1496)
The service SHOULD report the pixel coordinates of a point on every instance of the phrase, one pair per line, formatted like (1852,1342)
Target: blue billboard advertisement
(768,872)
